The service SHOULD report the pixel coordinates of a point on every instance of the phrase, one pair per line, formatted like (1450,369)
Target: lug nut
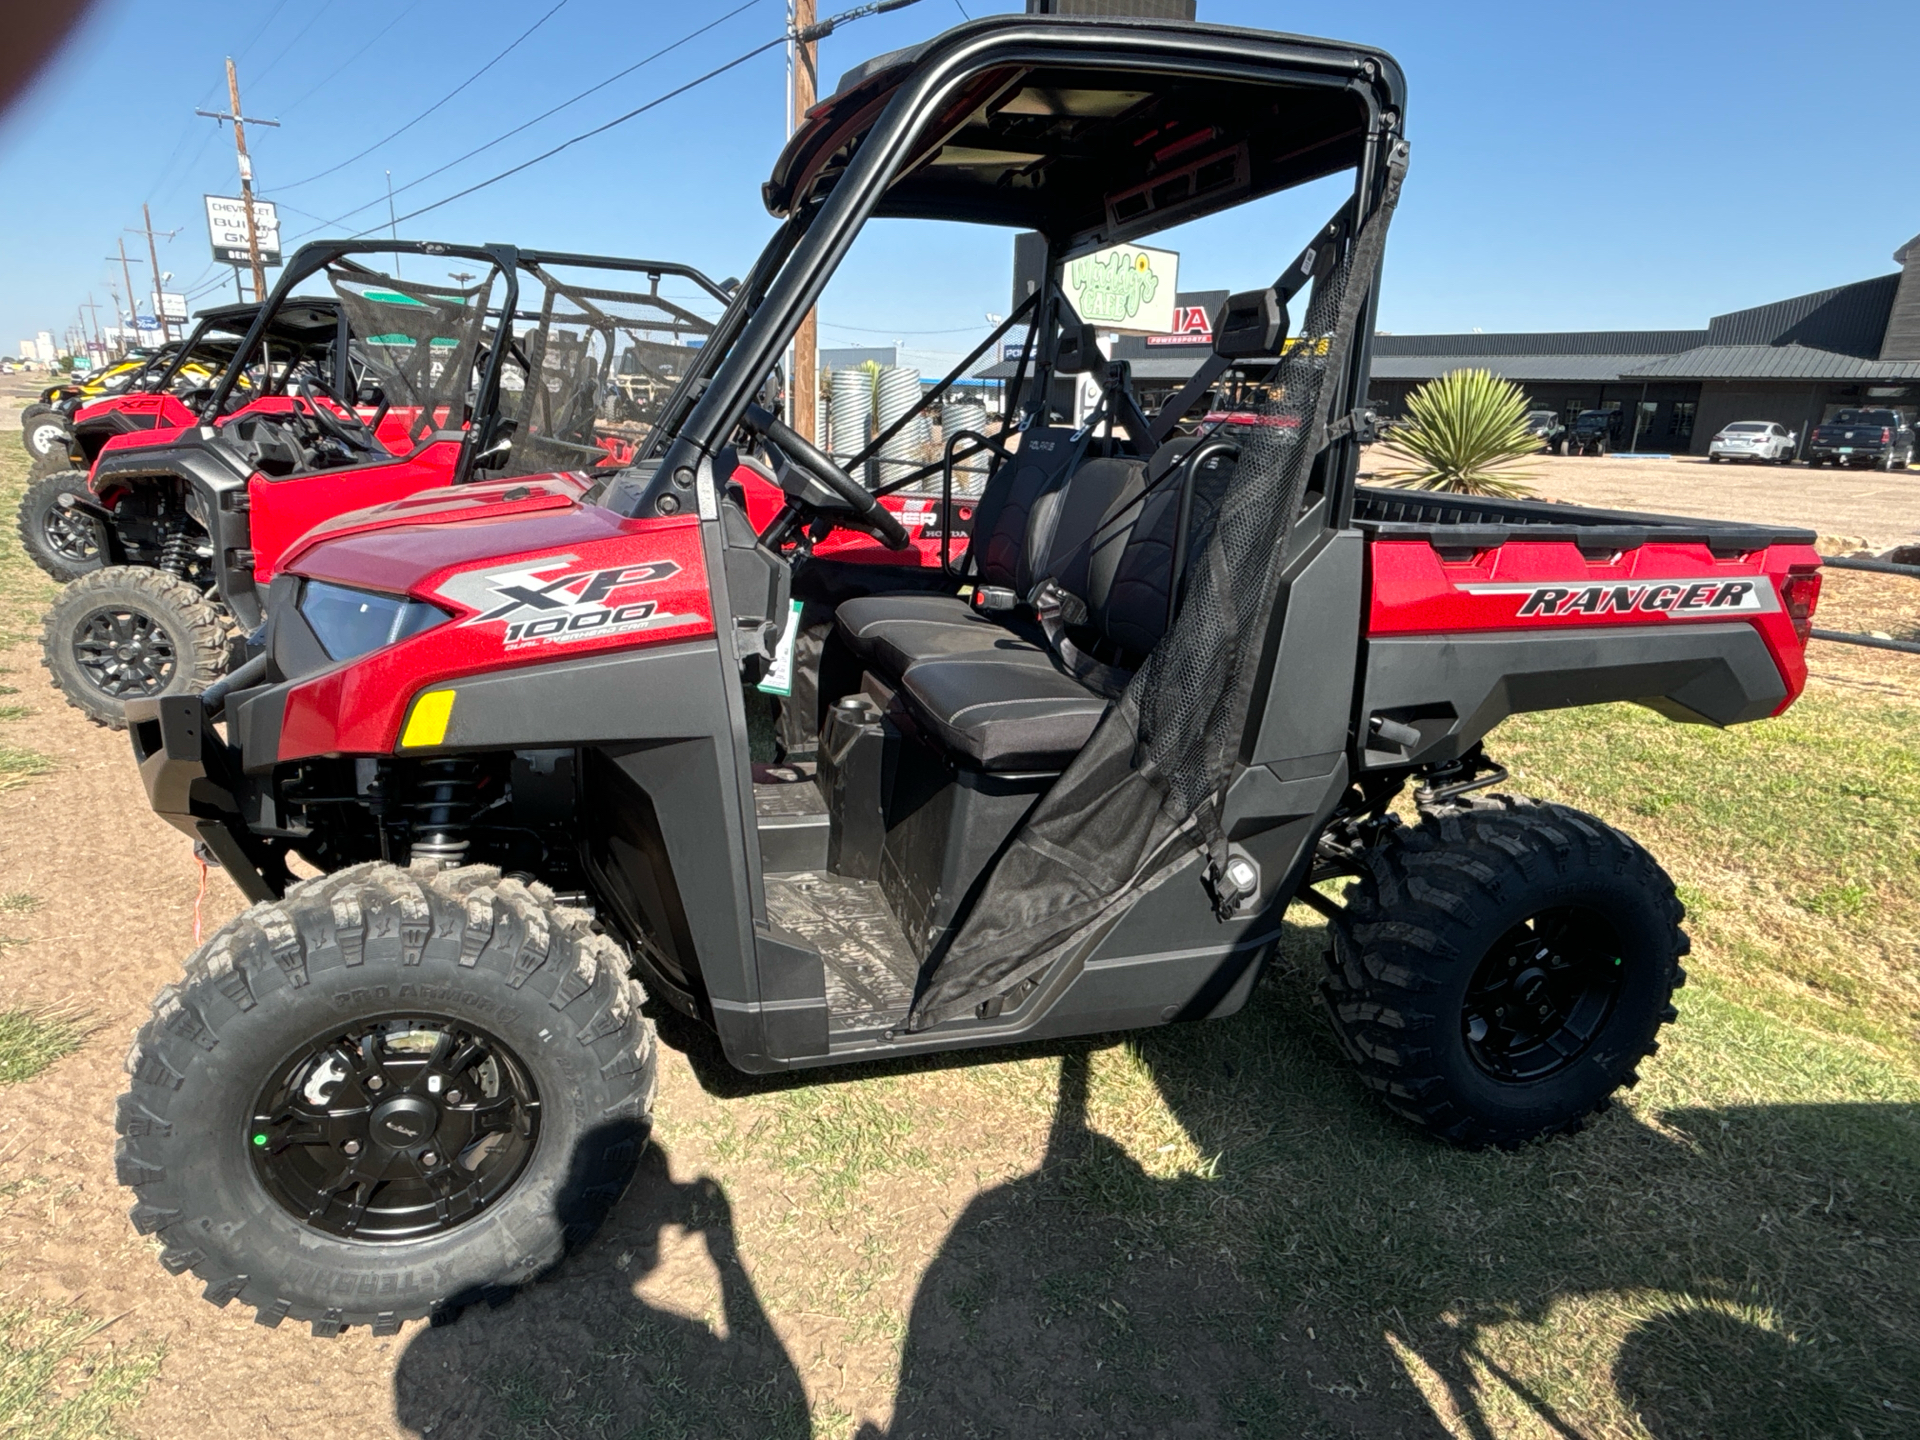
(376,1082)
(352,1147)
(453,1097)
(429,1159)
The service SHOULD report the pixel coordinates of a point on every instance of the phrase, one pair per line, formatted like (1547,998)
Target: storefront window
(1680,422)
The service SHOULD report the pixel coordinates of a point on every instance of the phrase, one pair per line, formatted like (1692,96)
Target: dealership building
(1794,361)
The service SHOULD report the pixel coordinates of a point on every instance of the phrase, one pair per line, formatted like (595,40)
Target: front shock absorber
(176,551)
(442,804)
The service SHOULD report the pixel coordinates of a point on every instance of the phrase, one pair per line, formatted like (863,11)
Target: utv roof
(301,321)
(1094,131)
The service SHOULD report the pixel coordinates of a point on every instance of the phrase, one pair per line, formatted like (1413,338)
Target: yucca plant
(1467,434)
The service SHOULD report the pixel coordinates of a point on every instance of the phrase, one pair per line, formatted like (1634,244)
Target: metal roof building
(1794,360)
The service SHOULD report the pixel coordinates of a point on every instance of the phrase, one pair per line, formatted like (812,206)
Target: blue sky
(1629,166)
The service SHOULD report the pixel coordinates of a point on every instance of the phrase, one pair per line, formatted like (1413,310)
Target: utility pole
(126,273)
(97,340)
(804,61)
(240,123)
(153,254)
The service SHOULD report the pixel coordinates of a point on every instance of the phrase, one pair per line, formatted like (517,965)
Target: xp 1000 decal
(1717,595)
(559,601)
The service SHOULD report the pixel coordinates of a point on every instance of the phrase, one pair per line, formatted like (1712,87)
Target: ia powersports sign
(227,229)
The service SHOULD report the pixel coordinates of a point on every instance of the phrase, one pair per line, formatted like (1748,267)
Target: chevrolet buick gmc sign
(227,229)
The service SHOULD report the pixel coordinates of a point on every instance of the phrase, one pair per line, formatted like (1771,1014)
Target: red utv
(330,402)
(1177,682)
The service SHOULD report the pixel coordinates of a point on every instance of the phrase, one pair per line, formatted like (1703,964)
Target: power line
(298,35)
(557,8)
(733,64)
(334,73)
(528,124)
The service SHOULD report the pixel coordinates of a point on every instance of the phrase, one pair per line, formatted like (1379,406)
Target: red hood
(393,547)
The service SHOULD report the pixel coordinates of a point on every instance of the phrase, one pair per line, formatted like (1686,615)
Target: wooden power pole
(240,123)
(805,381)
(153,255)
(126,274)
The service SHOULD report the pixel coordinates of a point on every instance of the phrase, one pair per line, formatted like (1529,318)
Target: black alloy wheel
(125,632)
(395,1128)
(1542,994)
(124,653)
(1503,967)
(69,534)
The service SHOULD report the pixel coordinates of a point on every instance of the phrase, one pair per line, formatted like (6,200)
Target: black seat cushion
(893,633)
(1003,712)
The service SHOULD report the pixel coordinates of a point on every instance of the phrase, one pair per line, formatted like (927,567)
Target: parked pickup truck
(1878,438)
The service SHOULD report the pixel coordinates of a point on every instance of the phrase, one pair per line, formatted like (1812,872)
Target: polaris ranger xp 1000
(1178,680)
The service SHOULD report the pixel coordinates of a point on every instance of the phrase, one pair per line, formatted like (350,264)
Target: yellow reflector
(428,723)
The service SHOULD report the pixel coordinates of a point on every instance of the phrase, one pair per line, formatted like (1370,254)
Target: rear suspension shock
(442,804)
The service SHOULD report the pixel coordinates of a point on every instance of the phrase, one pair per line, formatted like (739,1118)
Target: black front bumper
(193,783)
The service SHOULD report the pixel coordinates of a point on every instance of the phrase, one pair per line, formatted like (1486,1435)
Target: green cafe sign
(1125,288)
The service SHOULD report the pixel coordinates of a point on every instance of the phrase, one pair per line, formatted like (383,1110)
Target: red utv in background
(378,387)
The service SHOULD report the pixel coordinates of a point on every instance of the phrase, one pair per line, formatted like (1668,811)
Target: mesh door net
(1146,791)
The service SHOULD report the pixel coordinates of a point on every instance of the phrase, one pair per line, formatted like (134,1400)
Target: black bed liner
(1475,522)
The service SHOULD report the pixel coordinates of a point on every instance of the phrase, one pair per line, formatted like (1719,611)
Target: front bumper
(192,779)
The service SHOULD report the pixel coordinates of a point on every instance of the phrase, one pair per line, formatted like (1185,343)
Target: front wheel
(45,434)
(1503,967)
(60,540)
(127,633)
(390,1094)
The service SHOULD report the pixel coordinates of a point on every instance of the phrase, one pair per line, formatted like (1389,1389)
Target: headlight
(350,623)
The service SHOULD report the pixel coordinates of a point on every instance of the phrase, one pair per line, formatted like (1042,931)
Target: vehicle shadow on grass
(1748,1272)
(581,1355)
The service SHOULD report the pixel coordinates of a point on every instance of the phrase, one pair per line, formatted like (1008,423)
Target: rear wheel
(1504,967)
(391,1093)
(126,633)
(46,434)
(59,540)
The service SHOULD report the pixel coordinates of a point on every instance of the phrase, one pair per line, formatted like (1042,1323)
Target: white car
(1754,440)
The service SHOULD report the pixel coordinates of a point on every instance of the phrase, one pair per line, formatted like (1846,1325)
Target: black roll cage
(509,260)
(802,255)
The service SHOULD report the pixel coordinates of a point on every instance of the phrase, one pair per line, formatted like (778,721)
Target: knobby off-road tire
(126,632)
(60,541)
(39,468)
(45,434)
(1462,927)
(345,955)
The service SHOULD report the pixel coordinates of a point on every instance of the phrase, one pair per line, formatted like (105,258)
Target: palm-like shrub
(1467,435)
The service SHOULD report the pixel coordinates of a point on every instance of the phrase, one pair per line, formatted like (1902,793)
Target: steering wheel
(359,438)
(805,456)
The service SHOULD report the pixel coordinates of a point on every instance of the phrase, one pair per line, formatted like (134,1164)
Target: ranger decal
(542,607)
(1720,595)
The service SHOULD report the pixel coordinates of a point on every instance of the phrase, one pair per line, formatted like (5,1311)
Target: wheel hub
(394,1129)
(1542,994)
(405,1121)
(123,652)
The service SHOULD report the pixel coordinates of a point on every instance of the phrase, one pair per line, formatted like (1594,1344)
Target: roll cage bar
(869,151)
(508,260)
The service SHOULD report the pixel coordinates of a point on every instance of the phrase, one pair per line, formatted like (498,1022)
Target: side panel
(1422,587)
(1454,688)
